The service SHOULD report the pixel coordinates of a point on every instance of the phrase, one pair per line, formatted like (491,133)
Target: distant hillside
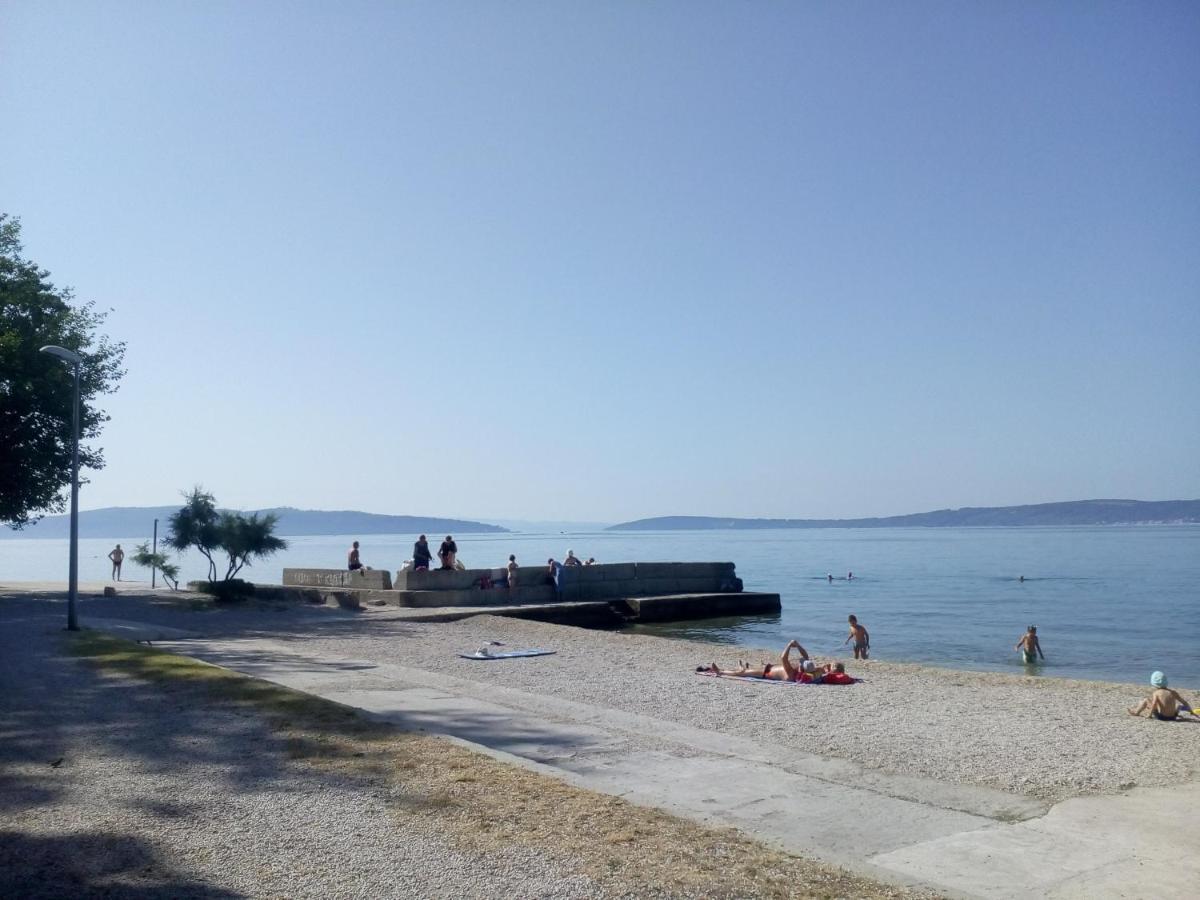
(1077,512)
(135,521)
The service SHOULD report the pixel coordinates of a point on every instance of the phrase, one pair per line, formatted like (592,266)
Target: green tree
(36,390)
(201,525)
(244,538)
(142,556)
(196,525)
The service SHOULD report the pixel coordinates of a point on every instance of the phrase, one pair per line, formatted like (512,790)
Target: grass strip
(485,805)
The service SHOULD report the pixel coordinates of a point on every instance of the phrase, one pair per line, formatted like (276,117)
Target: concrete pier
(610,594)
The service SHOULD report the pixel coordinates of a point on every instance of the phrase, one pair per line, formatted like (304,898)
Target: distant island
(135,521)
(1076,512)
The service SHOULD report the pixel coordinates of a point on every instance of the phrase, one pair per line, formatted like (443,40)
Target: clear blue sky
(611,260)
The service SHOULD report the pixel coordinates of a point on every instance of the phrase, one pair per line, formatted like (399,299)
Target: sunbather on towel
(783,671)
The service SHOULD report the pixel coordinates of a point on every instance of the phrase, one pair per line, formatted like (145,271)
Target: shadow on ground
(92,864)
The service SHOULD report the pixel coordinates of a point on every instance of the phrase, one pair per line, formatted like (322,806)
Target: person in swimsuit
(117,555)
(1030,646)
(1163,703)
(783,671)
(512,572)
(352,559)
(862,640)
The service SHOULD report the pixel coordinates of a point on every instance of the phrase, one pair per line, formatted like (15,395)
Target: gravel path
(115,787)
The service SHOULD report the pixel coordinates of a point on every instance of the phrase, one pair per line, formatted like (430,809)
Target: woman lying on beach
(1163,703)
(782,671)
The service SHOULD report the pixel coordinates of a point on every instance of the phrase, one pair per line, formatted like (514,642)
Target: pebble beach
(1042,737)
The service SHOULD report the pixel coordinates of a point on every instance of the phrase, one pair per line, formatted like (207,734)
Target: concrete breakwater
(599,594)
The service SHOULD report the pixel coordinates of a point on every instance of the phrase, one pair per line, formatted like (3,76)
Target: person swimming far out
(1164,703)
(1030,647)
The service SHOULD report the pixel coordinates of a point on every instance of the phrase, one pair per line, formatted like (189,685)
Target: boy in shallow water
(862,640)
(1030,646)
(1163,703)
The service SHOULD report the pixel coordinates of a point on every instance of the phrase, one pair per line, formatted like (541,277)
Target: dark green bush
(225,591)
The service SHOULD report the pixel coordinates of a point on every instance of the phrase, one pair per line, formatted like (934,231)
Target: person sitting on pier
(421,555)
(591,561)
(1164,703)
(353,562)
(572,559)
(783,671)
(448,553)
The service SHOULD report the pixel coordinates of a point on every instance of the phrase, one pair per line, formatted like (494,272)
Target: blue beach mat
(508,654)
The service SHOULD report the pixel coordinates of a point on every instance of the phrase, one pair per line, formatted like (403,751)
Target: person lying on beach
(1030,646)
(783,671)
(862,640)
(1164,703)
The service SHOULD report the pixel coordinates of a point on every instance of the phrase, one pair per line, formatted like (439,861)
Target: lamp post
(69,356)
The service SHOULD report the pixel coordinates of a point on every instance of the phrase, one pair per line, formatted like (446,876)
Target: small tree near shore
(241,538)
(169,571)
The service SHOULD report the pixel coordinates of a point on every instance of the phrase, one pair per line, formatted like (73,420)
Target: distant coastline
(1076,512)
(128,521)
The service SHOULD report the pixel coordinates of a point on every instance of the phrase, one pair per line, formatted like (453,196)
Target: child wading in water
(1163,703)
(1030,646)
(862,640)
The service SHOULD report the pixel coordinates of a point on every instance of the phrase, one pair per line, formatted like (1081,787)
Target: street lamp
(69,356)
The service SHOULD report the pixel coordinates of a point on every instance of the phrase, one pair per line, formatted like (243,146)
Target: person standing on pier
(512,573)
(554,570)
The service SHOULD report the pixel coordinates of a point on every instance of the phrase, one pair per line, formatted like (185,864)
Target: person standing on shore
(448,552)
(353,562)
(862,640)
(1030,647)
(421,555)
(512,573)
(117,555)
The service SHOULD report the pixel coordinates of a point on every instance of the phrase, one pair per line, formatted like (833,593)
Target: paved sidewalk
(962,840)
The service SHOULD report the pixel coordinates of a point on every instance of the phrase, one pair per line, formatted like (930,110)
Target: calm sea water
(1109,602)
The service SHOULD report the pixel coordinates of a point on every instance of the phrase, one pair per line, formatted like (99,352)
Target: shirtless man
(1163,703)
(117,555)
(353,562)
(784,671)
(862,640)
(1030,646)
(512,572)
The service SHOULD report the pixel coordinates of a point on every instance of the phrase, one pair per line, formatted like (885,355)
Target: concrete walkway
(961,840)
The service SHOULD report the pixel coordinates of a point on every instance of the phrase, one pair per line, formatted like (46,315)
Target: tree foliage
(201,525)
(143,556)
(36,390)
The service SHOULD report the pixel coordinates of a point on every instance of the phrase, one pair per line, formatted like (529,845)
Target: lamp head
(67,356)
